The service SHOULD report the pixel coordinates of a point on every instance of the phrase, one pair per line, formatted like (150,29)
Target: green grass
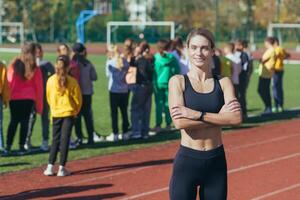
(103,124)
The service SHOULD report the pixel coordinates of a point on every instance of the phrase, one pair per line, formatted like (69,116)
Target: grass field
(103,124)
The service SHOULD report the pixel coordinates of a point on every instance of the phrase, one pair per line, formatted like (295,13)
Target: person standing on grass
(142,92)
(47,70)
(250,61)
(26,87)
(165,66)
(200,103)
(236,66)
(265,71)
(4,99)
(65,100)
(87,76)
(116,69)
(281,54)
(243,77)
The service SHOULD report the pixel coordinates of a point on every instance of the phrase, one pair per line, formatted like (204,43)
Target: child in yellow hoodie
(4,99)
(65,100)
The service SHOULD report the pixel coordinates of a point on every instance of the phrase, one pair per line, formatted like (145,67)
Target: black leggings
(193,168)
(19,114)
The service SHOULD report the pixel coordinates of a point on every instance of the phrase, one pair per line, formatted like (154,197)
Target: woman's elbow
(178,124)
(236,120)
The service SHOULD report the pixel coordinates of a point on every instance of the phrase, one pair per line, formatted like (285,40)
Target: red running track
(263,163)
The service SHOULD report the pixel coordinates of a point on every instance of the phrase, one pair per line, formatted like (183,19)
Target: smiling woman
(200,104)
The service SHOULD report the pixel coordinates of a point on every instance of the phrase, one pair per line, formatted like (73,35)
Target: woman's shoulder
(177,80)
(224,81)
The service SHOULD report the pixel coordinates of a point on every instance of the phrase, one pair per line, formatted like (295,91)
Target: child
(116,69)
(64,98)
(4,98)
(26,90)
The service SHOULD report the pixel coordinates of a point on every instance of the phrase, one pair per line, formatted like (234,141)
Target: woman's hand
(232,106)
(180,111)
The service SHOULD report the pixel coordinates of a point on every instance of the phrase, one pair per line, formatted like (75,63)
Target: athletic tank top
(207,102)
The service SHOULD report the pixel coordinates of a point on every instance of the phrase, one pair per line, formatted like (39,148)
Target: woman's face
(200,51)
(63,50)
(60,69)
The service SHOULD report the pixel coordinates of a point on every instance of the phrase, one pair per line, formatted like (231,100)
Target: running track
(263,163)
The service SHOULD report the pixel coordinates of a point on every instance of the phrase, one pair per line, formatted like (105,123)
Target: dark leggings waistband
(186,151)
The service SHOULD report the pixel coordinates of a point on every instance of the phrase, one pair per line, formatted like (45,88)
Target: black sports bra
(206,102)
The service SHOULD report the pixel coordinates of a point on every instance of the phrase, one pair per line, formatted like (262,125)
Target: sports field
(102,118)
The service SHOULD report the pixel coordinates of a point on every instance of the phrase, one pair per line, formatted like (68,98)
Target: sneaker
(275,110)
(126,136)
(280,109)
(44,146)
(97,137)
(156,129)
(73,144)
(267,111)
(28,145)
(135,137)
(6,152)
(116,137)
(145,137)
(22,151)
(49,170)
(112,137)
(62,171)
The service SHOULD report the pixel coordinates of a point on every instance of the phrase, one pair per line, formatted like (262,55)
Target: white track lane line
(291,187)
(262,142)
(142,168)
(239,169)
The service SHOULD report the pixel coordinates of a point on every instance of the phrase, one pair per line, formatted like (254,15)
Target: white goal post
(112,24)
(273,26)
(19,29)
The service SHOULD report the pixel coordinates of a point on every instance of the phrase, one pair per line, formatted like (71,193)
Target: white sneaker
(110,137)
(62,171)
(49,170)
(44,146)
(97,137)
(28,145)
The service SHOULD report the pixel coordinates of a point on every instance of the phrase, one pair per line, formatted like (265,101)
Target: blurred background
(58,20)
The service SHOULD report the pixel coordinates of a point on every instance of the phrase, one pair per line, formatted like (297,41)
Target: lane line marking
(291,187)
(263,142)
(142,168)
(229,172)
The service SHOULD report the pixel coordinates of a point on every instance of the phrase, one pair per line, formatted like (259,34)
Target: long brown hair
(128,48)
(61,70)
(25,64)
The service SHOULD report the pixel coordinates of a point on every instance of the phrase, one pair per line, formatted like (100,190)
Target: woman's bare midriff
(202,139)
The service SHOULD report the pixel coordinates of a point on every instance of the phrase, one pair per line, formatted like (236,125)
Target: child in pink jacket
(26,89)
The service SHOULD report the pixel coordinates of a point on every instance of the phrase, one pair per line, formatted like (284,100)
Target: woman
(87,76)
(116,69)
(142,92)
(179,51)
(64,98)
(26,87)
(165,66)
(265,71)
(200,104)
